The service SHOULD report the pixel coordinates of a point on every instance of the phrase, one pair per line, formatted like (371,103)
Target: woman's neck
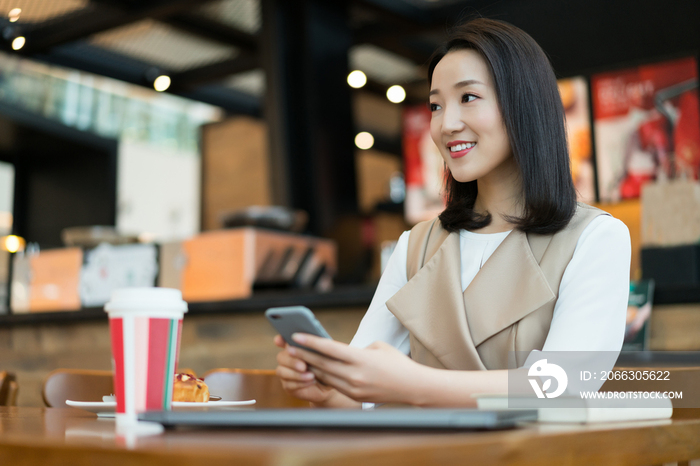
(500,194)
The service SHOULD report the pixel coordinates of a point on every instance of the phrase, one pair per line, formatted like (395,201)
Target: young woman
(513,264)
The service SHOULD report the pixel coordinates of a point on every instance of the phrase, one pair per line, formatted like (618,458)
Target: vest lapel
(431,307)
(509,286)
(450,324)
(507,306)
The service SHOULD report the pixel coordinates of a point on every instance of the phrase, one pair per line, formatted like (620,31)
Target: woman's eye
(468,97)
(433,107)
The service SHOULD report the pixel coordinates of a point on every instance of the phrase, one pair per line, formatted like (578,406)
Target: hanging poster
(647,125)
(574,97)
(424,167)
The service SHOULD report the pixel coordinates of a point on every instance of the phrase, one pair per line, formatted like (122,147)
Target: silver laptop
(391,418)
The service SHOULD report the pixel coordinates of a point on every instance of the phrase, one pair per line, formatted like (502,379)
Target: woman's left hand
(379,373)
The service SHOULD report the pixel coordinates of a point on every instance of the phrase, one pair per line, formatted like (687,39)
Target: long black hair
(529,101)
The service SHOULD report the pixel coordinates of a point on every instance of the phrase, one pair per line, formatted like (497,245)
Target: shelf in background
(677,295)
(341,297)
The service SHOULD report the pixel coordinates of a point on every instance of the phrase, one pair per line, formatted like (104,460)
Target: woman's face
(466,122)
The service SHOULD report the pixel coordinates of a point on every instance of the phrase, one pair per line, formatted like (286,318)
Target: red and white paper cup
(145,326)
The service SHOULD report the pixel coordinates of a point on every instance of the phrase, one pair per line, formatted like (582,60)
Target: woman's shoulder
(428,229)
(607,228)
(599,220)
(589,229)
(427,225)
(587,217)
(604,234)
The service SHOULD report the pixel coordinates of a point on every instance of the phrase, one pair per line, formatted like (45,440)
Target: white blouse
(589,314)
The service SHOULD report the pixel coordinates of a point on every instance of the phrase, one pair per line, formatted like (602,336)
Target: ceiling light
(396,94)
(357,79)
(13,243)
(18,42)
(14,13)
(161,83)
(364,140)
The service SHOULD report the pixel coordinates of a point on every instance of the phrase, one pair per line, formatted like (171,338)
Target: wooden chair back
(13,393)
(245,384)
(76,385)
(8,389)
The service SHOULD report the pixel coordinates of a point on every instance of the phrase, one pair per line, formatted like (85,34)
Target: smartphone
(295,319)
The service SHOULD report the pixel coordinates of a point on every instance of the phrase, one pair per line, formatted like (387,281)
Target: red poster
(647,124)
(574,97)
(423,165)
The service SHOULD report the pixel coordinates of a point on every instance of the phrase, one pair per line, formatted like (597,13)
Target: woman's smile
(460,148)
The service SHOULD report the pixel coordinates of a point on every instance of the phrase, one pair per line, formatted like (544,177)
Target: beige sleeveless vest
(507,307)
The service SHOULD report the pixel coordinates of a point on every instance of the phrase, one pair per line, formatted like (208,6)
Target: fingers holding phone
(294,372)
(295,368)
(296,378)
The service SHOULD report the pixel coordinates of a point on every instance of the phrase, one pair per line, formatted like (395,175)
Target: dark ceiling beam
(416,93)
(411,31)
(394,45)
(97,17)
(186,80)
(434,16)
(202,26)
(92,59)
(232,101)
(383,28)
(397,12)
(392,28)
(457,12)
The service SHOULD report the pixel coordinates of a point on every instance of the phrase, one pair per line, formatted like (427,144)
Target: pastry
(188,388)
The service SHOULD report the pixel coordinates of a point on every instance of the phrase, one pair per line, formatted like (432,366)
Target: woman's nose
(452,120)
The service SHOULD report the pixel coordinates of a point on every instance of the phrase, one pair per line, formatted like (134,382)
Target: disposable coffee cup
(145,326)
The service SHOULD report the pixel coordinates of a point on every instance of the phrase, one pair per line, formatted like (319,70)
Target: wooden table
(67,436)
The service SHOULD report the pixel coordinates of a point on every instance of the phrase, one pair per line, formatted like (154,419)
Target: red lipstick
(461,153)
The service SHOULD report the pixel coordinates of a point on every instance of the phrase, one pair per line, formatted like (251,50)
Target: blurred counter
(339,297)
(214,266)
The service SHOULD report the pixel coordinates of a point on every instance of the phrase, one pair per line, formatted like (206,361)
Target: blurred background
(269,152)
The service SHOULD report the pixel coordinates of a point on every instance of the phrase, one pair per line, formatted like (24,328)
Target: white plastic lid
(146,299)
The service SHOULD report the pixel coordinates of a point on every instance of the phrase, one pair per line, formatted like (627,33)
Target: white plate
(106,408)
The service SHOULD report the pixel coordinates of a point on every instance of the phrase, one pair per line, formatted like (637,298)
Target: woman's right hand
(297,380)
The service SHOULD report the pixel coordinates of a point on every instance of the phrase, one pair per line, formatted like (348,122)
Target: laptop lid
(396,418)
